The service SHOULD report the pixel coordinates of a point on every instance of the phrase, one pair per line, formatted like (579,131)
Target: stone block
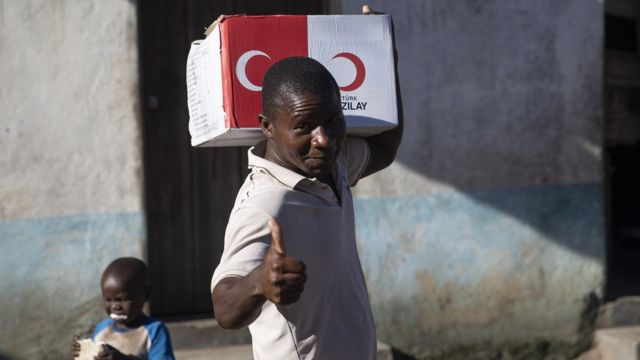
(206,333)
(623,312)
(621,343)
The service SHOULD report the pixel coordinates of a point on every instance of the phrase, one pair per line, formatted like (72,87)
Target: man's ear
(266,125)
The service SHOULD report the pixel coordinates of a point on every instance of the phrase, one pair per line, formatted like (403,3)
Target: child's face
(123,300)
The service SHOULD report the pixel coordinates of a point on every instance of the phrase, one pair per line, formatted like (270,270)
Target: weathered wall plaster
(70,159)
(489,227)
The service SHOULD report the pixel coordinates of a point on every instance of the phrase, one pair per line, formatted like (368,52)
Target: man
(290,269)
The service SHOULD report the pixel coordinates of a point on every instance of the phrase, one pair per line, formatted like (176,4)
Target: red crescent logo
(241,69)
(360,70)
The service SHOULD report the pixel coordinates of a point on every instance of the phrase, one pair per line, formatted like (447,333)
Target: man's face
(123,300)
(308,132)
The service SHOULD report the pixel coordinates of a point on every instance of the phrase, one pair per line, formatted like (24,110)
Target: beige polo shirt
(332,319)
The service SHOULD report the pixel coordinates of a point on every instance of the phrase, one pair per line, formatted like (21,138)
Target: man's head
(125,289)
(302,116)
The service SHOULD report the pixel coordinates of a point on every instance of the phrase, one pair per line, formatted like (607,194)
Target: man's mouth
(323,158)
(118,316)
(322,162)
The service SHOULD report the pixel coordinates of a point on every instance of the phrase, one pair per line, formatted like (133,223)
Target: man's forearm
(237,300)
(384,146)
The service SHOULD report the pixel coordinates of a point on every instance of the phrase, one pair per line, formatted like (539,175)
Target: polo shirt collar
(292,179)
(282,174)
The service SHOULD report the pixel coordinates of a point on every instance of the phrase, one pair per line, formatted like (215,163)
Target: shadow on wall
(502,102)
(41,344)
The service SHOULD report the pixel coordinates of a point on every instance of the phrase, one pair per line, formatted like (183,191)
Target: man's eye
(303,126)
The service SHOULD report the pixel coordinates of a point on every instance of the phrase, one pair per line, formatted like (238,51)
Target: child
(128,333)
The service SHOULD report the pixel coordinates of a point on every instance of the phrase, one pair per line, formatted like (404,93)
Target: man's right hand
(282,278)
(237,301)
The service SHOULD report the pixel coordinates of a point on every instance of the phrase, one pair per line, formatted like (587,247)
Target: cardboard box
(225,71)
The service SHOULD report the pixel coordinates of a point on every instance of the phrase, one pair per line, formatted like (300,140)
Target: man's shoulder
(260,189)
(354,158)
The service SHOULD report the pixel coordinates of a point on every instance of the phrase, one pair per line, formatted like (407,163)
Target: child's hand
(75,346)
(110,353)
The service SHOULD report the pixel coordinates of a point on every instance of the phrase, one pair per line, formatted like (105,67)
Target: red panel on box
(253,44)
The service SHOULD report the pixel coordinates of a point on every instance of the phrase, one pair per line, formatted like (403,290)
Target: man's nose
(321,138)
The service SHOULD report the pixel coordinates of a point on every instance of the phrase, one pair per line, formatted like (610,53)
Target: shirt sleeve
(355,155)
(160,348)
(246,241)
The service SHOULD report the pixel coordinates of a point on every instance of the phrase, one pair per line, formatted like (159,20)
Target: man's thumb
(276,237)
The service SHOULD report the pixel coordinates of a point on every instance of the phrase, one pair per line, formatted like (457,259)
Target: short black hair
(129,269)
(295,75)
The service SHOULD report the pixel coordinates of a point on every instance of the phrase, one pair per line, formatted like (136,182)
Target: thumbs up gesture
(282,278)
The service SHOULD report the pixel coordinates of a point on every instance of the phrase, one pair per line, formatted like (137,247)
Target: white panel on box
(358,51)
(204,89)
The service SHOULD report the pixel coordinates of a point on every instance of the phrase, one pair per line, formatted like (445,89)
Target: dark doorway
(188,192)
(624,180)
(622,147)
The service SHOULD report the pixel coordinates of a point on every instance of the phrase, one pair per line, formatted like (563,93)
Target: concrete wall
(70,159)
(489,227)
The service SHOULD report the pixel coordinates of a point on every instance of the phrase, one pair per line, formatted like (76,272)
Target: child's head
(125,290)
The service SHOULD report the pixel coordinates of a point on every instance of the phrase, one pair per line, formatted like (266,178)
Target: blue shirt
(149,341)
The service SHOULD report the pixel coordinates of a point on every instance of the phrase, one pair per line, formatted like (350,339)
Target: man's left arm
(384,146)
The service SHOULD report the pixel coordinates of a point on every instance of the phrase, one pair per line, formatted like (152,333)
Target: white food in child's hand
(89,349)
